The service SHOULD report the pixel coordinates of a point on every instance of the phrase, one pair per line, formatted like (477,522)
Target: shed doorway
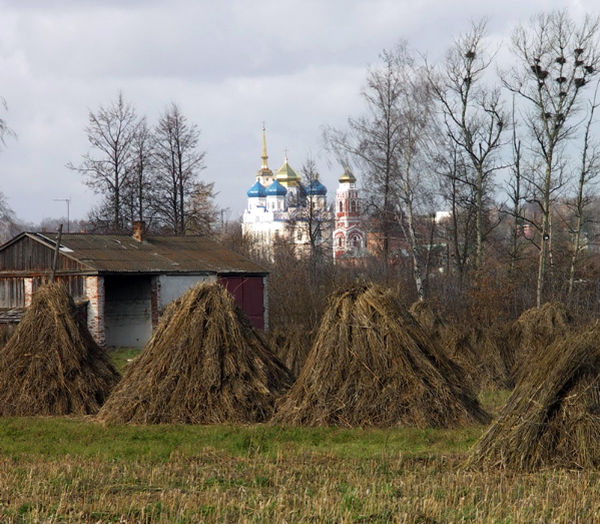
(127,310)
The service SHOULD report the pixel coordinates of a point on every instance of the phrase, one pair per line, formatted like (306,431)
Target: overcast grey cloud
(230,65)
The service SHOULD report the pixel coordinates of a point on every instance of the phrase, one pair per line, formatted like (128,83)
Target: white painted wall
(173,286)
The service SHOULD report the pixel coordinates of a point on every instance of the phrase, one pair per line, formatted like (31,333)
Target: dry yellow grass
(308,487)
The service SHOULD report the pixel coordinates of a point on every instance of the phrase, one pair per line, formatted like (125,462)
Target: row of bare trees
(505,149)
(146,174)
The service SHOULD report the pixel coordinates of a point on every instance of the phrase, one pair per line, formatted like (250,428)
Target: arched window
(353,206)
(341,207)
(356,242)
(340,241)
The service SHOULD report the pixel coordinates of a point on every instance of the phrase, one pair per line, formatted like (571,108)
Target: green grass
(72,469)
(121,357)
(56,437)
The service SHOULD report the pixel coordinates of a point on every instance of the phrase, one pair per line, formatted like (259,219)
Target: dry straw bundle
(552,418)
(204,364)
(52,365)
(482,352)
(292,346)
(372,365)
(536,329)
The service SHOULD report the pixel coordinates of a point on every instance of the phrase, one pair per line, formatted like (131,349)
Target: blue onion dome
(257,190)
(316,188)
(276,189)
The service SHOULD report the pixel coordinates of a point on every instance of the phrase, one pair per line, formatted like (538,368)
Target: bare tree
(459,195)
(412,184)
(178,162)
(556,59)
(516,195)
(375,140)
(140,185)
(588,175)
(473,115)
(314,216)
(107,166)
(201,211)
(9,224)
(5,130)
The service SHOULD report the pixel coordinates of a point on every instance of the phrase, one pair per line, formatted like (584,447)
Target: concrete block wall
(94,294)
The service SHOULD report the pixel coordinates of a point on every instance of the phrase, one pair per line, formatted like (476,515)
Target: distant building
(125,282)
(348,236)
(283,207)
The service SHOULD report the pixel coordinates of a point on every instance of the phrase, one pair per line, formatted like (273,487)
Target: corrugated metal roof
(122,253)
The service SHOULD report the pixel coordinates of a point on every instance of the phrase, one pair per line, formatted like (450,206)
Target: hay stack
(372,365)
(204,364)
(292,346)
(481,352)
(538,328)
(552,418)
(52,365)
(426,314)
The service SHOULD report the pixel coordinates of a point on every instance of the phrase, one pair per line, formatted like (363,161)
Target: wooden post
(56,249)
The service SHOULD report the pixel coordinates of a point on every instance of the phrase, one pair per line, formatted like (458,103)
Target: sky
(230,65)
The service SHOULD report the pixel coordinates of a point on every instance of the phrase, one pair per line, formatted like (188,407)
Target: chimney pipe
(138,232)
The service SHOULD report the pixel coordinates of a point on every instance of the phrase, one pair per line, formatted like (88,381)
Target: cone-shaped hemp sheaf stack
(372,365)
(204,364)
(51,365)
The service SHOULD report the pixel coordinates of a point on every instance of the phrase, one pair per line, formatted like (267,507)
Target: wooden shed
(125,281)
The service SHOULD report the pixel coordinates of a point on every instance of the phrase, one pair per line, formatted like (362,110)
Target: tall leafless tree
(588,177)
(201,211)
(375,140)
(555,61)
(516,195)
(177,163)
(389,143)
(140,185)
(473,115)
(106,168)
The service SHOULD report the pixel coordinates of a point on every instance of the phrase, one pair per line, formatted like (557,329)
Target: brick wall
(94,294)
(27,291)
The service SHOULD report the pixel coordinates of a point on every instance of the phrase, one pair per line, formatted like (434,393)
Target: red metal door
(248,293)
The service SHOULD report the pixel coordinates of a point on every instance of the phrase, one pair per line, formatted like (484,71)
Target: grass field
(74,470)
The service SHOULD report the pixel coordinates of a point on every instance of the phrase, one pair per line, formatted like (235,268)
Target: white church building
(282,206)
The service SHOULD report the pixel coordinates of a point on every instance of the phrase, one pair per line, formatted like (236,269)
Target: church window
(340,240)
(356,242)
(353,206)
(341,207)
